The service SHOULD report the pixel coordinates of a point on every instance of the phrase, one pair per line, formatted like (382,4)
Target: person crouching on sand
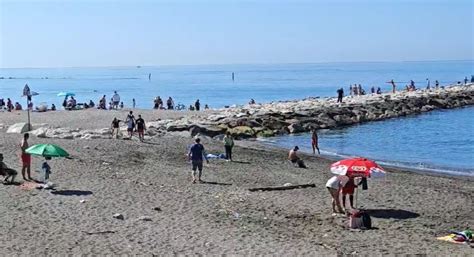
(196,155)
(7,172)
(293,158)
(334,185)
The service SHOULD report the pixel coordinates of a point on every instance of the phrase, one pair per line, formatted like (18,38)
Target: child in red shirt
(349,189)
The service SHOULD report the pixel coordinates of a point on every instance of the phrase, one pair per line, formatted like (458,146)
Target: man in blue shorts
(196,155)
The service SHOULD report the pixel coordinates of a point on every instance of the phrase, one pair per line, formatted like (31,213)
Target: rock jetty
(285,117)
(265,120)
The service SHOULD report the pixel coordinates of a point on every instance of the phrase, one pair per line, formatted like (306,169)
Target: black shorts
(197,165)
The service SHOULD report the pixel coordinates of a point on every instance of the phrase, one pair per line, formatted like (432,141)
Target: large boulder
(18,128)
(274,123)
(265,133)
(210,131)
(242,132)
(295,128)
(177,127)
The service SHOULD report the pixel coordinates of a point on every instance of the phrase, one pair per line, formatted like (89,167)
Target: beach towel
(28,185)
(464,237)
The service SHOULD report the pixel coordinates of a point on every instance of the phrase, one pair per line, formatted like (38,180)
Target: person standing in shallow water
(314,141)
(25,158)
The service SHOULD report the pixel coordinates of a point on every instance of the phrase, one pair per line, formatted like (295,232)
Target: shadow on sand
(71,192)
(11,183)
(215,183)
(241,162)
(392,214)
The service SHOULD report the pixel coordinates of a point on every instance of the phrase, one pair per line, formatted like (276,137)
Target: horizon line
(230,64)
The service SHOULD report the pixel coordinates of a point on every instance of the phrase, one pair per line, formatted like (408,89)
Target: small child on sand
(46,169)
(348,189)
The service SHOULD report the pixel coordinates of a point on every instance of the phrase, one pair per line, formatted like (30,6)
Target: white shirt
(337,181)
(116,98)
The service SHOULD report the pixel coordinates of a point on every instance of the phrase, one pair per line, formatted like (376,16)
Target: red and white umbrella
(358,167)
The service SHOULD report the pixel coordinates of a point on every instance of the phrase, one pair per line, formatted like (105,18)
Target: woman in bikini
(314,141)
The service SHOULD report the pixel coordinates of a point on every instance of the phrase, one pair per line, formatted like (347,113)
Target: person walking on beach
(196,155)
(465,80)
(197,105)
(115,128)
(115,100)
(25,158)
(334,185)
(228,145)
(130,120)
(140,127)
(428,86)
(350,90)
(340,95)
(437,84)
(133,103)
(394,87)
(314,141)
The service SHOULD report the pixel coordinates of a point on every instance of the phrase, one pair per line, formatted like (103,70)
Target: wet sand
(221,216)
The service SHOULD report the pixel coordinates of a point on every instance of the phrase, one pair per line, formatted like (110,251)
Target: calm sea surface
(441,140)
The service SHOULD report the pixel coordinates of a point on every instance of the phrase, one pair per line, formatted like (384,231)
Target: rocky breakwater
(264,120)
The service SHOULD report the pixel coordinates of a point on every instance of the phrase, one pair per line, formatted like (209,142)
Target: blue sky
(121,33)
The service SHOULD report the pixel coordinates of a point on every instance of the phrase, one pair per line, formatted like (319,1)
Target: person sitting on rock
(7,172)
(293,158)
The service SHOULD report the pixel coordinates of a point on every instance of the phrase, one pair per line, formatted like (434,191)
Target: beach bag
(360,220)
(355,221)
(366,221)
(300,163)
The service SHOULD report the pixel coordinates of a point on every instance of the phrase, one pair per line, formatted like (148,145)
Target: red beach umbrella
(357,167)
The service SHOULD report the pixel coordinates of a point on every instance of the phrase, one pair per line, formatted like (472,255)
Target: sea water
(438,141)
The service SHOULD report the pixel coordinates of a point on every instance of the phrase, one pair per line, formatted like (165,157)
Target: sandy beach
(150,185)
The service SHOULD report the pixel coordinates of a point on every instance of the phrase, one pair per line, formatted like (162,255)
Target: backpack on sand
(366,221)
(360,220)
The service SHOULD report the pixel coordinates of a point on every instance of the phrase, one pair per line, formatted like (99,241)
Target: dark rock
(295,128)
(178,127)
(210,131)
